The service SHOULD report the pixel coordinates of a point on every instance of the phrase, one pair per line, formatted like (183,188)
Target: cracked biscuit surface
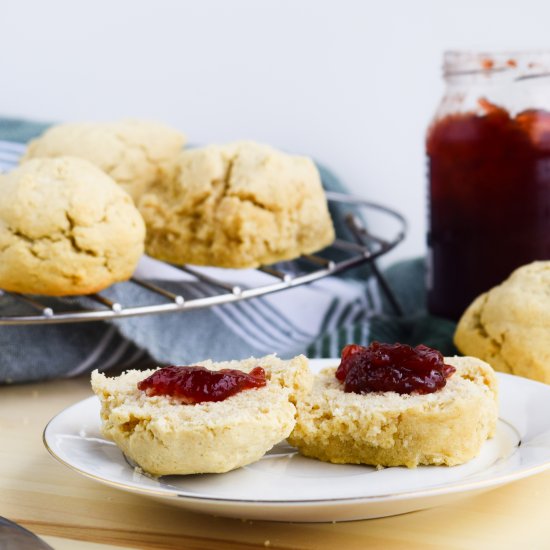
(238,205)
(165,437)
(65,228)
(509,325)
(447,427)
(135,153)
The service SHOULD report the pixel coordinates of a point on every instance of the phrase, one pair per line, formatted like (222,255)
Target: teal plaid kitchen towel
(317,319)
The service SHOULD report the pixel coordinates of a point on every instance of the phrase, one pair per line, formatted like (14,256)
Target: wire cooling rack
(362,247)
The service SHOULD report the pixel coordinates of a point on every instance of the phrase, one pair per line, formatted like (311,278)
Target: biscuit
(135,153)
(239,205)
(165,437)
(66,228)
(389,429)
(509,325)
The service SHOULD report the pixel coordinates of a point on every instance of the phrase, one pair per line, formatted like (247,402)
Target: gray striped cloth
(317,319)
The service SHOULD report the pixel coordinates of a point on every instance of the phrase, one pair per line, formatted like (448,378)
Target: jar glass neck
(478,67)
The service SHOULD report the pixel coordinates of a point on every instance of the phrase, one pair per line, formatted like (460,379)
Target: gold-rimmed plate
(284,486)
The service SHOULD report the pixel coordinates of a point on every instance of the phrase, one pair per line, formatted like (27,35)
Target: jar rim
(520,64)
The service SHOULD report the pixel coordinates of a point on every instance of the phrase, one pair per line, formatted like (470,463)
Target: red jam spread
(198,384)
(392,367)
(489,201)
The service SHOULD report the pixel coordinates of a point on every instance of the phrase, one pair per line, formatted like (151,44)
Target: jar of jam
(488,151)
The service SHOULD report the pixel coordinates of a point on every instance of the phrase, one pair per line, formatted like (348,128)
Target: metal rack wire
(362,248)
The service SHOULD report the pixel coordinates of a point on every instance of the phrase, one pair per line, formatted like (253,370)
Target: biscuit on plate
(65,228)
(239,205)
(509,325)
(135,153)
(164,436)
(389,429)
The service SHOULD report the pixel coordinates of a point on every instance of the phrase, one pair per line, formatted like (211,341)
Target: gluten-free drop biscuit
(238,205)
(164,436)
(135,153)
(446,427)
(66,228)
(509,326)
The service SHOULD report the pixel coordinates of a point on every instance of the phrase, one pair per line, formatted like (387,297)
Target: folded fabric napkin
(317,319)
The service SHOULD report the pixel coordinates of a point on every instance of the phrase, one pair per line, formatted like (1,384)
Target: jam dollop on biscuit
(195,384)
(392,367)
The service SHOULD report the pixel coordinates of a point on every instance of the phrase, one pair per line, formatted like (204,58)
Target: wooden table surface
(73,512)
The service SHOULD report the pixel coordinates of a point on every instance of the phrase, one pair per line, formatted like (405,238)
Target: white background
(351,83)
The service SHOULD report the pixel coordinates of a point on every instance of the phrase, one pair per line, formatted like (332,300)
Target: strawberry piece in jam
(198,384)
(392,367)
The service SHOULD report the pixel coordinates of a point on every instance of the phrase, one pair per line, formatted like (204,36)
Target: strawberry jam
(489,175)
(392,367)
(198,384)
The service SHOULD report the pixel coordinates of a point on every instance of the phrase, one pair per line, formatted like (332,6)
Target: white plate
(284,486)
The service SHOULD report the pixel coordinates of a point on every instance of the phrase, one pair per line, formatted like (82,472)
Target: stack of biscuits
(88,199)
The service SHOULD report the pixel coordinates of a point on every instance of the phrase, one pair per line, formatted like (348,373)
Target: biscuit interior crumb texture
(238,205)
(135,153)
(66,228)
(165,437)
(509,325)
(388,429)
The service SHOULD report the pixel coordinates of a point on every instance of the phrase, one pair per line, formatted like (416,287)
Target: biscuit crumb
(141,472)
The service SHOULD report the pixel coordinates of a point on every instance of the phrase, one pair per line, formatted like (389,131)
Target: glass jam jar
(488,151)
